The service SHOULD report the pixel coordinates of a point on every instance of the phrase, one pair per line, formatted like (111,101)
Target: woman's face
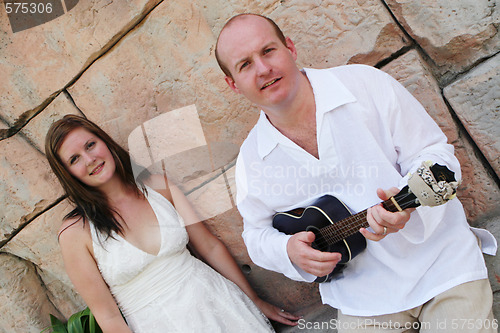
(87,157)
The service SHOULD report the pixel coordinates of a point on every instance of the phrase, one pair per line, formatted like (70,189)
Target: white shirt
(371,132)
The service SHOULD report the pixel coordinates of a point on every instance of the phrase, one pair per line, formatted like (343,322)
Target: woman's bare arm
(77,251)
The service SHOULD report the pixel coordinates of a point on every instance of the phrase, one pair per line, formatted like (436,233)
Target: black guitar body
(325,211)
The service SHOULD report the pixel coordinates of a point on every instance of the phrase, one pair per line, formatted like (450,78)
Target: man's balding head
(235,19)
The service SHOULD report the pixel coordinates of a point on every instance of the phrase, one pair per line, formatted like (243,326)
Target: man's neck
(299,110)
(297,120)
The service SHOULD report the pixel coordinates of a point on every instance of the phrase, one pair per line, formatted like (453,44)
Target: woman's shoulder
(160,184)
(73,229)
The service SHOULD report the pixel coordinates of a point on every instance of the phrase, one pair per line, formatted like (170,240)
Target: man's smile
(270,83)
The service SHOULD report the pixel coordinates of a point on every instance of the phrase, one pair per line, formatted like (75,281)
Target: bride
(124,245)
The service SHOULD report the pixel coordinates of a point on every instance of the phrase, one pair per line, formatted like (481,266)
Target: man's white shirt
(371,133)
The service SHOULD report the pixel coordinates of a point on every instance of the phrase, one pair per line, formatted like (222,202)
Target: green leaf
(59,329)
(55,321)
(75,323)
(93,326)
(80,322)
(57,326)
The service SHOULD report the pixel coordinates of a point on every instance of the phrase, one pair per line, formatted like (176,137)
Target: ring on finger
(385,231)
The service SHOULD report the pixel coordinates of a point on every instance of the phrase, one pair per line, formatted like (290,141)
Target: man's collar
(329,93)
(267,136)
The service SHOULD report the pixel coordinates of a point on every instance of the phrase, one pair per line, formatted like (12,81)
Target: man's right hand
(310,260)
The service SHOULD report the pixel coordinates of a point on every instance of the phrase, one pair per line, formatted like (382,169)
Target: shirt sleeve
(267,247)
(417,138)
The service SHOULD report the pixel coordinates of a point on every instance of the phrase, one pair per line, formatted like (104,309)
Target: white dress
(173,291)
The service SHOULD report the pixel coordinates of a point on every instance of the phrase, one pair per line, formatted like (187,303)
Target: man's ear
(291,47)
(230,82)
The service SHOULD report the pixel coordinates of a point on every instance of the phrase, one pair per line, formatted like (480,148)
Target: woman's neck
(116,190)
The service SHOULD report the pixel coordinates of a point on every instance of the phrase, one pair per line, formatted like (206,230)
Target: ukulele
(337,230)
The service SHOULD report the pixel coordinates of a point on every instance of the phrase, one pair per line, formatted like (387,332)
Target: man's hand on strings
(382,221)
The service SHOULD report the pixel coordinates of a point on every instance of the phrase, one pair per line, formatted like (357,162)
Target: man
(349,131)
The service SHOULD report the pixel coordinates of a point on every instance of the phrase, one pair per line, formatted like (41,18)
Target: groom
(349,131)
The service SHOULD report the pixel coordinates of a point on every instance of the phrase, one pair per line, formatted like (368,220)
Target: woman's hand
(274,313)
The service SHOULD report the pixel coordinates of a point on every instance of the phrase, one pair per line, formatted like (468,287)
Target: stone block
(475,97)
(37,243)
(165,64)
(27,184)
(36,130)
(213,195)
(455,34)
(24,304)
(492,223)
(478,191)
(38,62)
(63,296)
(335,32)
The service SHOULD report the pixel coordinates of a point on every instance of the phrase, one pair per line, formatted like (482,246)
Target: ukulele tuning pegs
(433,184)
(442,173)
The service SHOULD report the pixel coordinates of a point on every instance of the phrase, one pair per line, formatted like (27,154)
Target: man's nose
(263,66)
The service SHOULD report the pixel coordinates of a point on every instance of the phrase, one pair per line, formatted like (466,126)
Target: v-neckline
(159,227)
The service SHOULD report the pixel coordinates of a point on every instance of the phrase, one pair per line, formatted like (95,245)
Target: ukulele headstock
(433,184)
(442,173)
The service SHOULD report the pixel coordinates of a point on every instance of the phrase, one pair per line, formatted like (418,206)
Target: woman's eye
(73,160)
(90,144)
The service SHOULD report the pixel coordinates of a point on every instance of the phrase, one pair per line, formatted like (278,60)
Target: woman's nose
(89,159)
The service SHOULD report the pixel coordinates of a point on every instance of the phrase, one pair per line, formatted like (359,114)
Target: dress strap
(66,227)
(167,187)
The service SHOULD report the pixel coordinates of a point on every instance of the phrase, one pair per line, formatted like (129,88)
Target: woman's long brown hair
(90,203)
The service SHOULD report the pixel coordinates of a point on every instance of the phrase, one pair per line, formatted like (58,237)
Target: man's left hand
(382,221)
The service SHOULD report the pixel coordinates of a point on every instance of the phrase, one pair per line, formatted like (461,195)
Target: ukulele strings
(350,225)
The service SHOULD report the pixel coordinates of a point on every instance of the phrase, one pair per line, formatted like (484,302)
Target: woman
(124,245)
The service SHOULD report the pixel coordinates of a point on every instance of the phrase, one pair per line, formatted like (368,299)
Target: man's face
(263,69)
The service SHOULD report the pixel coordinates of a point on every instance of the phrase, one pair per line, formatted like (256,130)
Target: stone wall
(123,63)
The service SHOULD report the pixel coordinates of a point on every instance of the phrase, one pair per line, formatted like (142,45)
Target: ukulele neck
(350,225)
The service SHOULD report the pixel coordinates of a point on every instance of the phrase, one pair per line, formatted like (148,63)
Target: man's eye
(268,50)
(243,65)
